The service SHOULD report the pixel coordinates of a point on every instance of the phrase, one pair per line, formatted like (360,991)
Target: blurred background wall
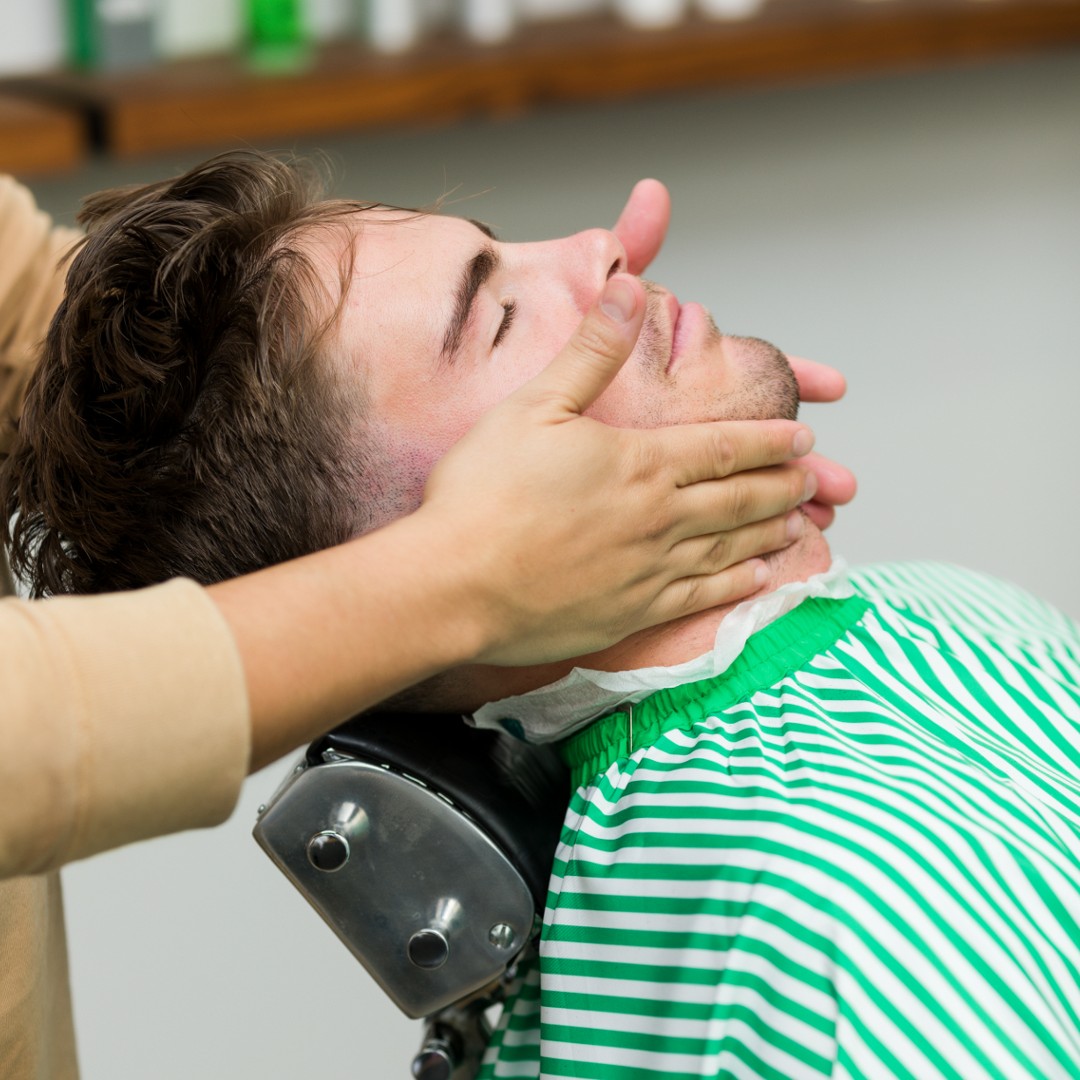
(920,232)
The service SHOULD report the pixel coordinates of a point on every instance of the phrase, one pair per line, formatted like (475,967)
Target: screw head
(502,936)
(328,851)
(428,949)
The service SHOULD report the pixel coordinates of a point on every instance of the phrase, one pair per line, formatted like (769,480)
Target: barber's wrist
(456,587)
(334,633)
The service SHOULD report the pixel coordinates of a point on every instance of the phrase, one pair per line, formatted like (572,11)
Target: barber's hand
(643,224)
(641,228)
(836,485)
(578,534)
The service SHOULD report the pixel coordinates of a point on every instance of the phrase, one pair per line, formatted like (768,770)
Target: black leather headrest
(515,792)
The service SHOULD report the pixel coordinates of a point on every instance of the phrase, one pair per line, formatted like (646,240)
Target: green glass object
(81,32)
(111,36)
(278,35)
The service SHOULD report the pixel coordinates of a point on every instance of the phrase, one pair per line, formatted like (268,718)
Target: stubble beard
(767,388)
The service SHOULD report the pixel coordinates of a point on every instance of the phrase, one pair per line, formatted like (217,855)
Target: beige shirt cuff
(121,717)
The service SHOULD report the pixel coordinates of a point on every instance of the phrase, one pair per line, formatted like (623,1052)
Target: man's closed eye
(509,311)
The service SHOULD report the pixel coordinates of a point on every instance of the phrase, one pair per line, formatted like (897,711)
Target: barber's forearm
(327,636)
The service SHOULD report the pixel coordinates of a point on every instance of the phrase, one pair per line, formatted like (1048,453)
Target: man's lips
(686,319)
(674,310)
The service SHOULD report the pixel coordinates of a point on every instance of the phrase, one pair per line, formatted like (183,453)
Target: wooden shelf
(37,138)
(219,102)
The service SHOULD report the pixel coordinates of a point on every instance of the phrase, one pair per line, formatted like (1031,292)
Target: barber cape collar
(555,711)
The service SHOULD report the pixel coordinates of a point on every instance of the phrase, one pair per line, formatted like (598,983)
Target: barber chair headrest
(426,845)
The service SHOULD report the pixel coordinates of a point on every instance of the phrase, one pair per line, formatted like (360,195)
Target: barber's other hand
(579,534)
(836,484)
(643,224)
(641,228)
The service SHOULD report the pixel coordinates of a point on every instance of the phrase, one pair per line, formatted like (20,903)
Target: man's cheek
(631,401)
(507,373)
(539,342)
(399,459)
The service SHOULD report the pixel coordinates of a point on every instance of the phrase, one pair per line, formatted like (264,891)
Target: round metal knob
(433,1063)
(428,949)
(328,851)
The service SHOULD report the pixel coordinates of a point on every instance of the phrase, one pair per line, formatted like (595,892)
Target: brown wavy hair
(182,420)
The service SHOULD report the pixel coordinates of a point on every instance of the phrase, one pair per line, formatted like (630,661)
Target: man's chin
(768,388)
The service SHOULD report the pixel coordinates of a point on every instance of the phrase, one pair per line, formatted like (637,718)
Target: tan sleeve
(31,285)
(121,717)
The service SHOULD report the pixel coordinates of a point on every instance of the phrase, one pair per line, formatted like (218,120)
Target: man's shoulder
(967,600)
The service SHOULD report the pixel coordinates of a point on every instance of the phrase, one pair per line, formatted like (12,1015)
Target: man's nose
(597,254)
(605,250)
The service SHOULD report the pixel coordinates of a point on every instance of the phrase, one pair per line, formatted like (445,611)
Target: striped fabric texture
(855,854)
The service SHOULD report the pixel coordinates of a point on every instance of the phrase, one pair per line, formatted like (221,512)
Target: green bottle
(110,36)
(278,35)
(81,33)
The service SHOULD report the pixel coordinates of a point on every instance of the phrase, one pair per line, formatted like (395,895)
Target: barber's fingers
(817,382)
(643,223)
(711,571)
(598,349)
(710,451)
(703,556)
(836,486)
(690,595)
(715,506)
(821,514)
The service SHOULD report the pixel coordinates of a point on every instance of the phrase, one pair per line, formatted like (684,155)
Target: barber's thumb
(600,345)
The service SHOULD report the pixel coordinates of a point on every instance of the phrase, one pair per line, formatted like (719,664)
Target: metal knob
(434,1062)
(428,949)
(454,1042)
(328,851)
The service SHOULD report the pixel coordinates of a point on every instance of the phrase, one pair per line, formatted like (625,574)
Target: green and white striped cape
(854,854)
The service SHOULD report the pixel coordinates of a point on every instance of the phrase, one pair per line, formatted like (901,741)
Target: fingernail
(804,442)
(809,488)
(761,575)
(795,525)
(618,301)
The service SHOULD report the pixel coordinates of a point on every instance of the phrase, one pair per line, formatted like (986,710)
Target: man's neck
(683,639)
(661,646)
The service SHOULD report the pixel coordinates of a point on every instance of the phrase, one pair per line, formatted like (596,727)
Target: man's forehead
(402,267)
(400,274)
(416,243)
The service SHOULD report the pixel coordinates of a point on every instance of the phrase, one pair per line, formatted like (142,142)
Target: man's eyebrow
(479,268)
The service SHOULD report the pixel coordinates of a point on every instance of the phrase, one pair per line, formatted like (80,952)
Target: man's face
(441,321)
